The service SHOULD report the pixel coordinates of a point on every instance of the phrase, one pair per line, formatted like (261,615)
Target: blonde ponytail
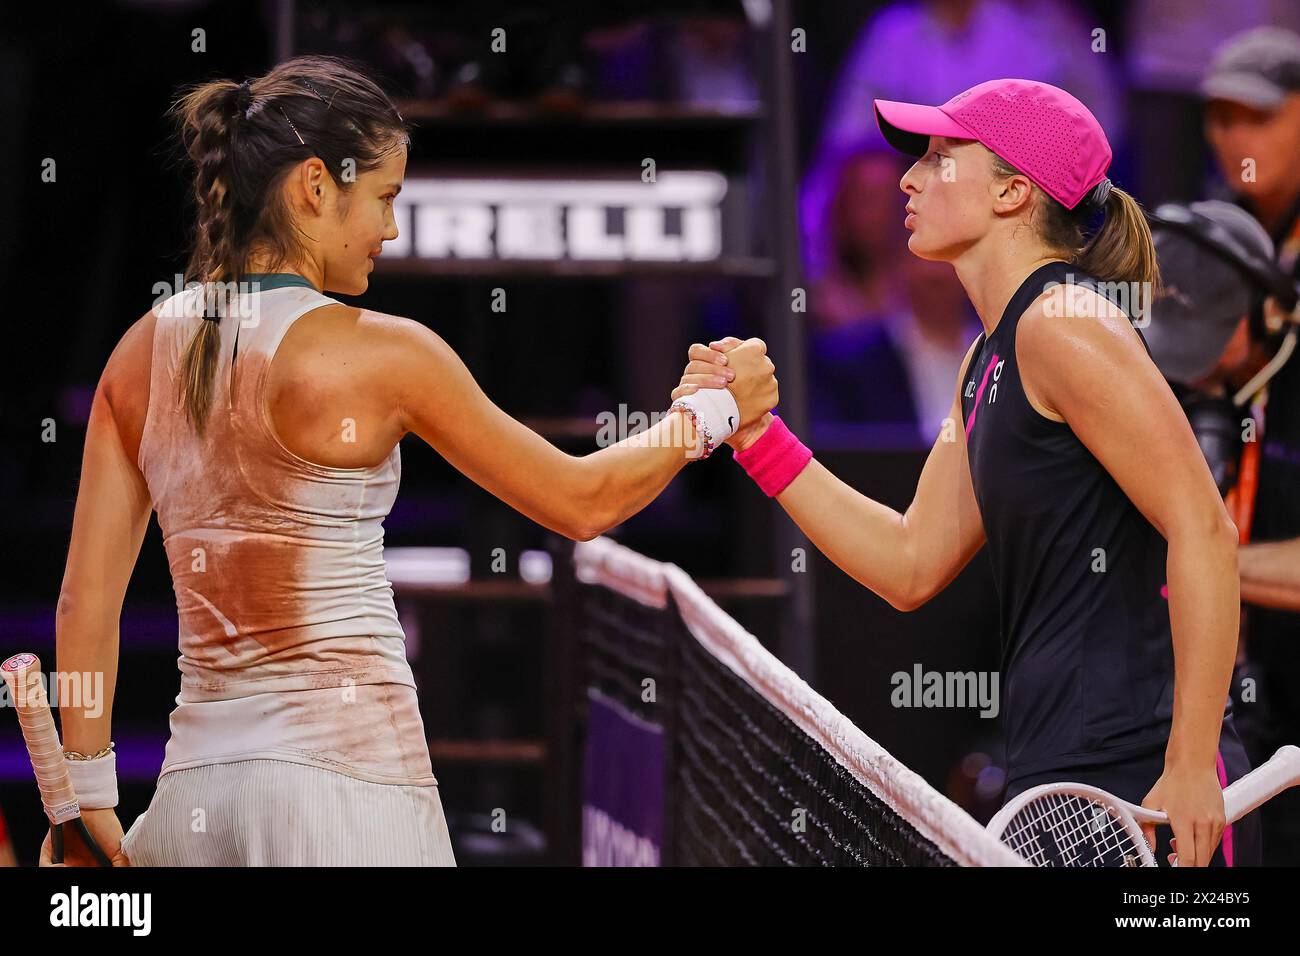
(1122,250)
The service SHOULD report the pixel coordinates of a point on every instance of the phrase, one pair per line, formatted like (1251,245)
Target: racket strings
(1074,831)
(1068,830)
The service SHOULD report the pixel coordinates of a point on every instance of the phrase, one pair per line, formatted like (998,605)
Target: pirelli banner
(670,216)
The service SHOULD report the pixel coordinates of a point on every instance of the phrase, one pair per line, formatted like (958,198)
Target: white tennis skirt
(274,813)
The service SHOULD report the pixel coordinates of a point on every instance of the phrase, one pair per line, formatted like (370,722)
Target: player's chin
(359,281)
(917,246)
(921,247)
(367,269)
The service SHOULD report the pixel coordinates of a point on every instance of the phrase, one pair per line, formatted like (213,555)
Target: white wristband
(95,781)
(717,409)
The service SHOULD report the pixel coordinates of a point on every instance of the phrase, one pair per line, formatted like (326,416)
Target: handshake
(740,414)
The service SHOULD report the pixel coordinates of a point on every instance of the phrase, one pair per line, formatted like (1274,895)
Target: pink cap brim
(908,126)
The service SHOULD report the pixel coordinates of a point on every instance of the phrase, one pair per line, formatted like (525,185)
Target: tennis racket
(1072,824)
(22,673)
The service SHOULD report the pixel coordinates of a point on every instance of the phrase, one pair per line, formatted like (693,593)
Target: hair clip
(328,103)
(291,126)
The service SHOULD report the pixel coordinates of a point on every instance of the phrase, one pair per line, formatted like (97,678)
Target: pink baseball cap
(1038,128)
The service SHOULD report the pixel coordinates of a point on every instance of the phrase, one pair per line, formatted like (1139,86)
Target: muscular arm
(579,497)
(1270,574)
(905,558)
(1094,372)
(108,525)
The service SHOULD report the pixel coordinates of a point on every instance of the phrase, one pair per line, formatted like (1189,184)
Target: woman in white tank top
(260,419)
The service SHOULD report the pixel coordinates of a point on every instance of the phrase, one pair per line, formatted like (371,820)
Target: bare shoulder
(420,375)
(354,337)
(125,382)
(404,346)
(347,347)
(1070,338)
(395,331)
(1069,325)
(412,366)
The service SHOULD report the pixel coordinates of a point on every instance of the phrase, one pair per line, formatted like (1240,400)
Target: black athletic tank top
(1087,652)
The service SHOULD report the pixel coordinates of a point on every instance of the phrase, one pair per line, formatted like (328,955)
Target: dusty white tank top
(290,645)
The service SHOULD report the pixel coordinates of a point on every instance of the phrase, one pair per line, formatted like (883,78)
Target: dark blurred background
(586,91)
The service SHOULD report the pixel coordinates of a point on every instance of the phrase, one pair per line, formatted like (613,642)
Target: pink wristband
(775,459)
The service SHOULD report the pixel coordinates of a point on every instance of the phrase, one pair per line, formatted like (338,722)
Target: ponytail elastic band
(776,459)
(244,98)
(1101,192)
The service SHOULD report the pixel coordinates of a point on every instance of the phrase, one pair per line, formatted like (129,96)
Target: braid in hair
(242,151)
(208,117)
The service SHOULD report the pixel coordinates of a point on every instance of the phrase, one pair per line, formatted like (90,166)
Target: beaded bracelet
(701,429)
(76,755)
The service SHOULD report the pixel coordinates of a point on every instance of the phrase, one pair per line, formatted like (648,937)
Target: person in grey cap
(1252,123)
(1259,68)
(1252,119)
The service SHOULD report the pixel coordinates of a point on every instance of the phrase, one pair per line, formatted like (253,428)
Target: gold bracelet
(74,755)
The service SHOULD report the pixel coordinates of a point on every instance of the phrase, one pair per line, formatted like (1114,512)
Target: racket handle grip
(22,673)
(1262,784)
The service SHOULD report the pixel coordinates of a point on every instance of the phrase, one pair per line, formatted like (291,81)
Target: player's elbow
(1228,539)
(896,594)
(584,528)
(909,588)
(1229,531)
(906,600)
(901,605)
(583,532)
(587,512)
(1210,527)
(81,610)
(66,606)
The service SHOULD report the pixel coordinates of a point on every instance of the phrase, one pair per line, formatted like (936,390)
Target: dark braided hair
(243,140)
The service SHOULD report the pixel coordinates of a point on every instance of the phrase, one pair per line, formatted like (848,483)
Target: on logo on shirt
(997,374)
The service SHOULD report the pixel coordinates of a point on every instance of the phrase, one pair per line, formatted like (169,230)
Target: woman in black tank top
(1114,559)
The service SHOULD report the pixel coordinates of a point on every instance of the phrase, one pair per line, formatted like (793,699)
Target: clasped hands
(745,369)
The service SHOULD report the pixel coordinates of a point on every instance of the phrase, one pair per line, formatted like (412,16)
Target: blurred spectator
(1169,46)
(896,376)
(708,61)
(932,338)
(1252,123)
(925,52)
(862,229)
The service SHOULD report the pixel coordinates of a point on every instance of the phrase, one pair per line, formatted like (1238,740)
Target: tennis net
(703,749)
